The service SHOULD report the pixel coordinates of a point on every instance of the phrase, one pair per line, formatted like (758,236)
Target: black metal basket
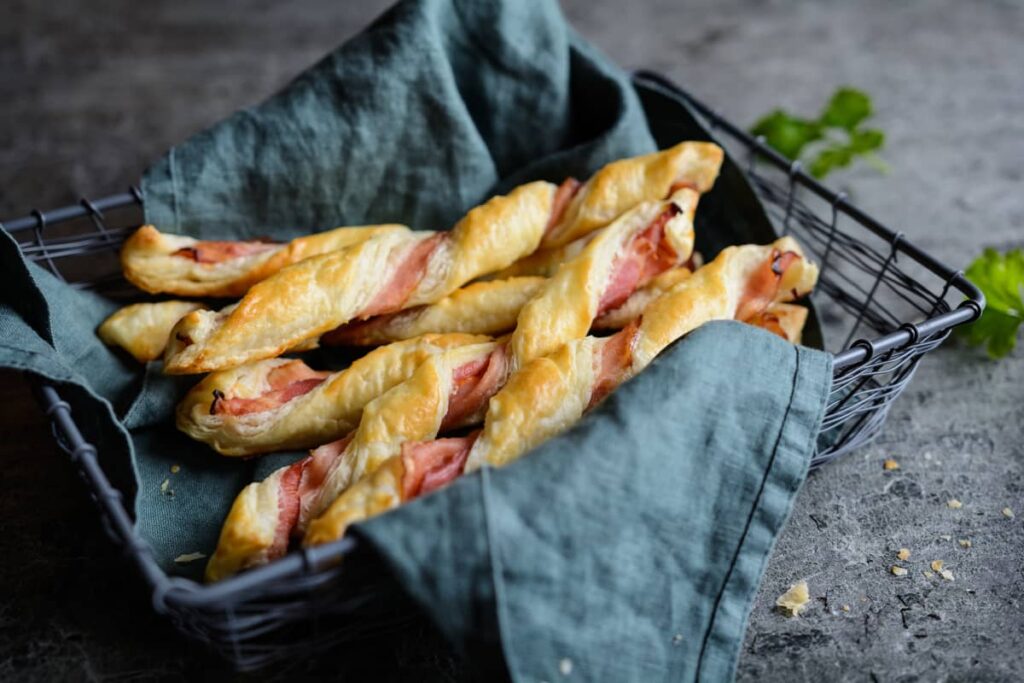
(872,282)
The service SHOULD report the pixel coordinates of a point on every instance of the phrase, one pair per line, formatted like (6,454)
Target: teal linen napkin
(438,105)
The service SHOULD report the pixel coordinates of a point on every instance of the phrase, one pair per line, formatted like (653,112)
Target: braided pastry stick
(452,389)
(647,240)
(622,184)
(282,404)
(176,264)
(602,199)
(552,392)
(381,275)
(142,329)
(479,308)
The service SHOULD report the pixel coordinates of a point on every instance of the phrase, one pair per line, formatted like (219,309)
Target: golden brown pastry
(282,404)
(386,273)
(142,329)
(176,264)
(623,184)
(544,262)
(552,392)
(446,390)
(479,308)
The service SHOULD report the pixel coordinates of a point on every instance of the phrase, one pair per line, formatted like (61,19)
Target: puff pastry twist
(281,404)
(176,264)
(381,275)
(552,392)
(623,184)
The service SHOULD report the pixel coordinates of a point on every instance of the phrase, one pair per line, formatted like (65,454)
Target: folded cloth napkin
(629,549)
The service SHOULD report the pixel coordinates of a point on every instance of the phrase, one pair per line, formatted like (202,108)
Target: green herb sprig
(831,141)
(1001,278)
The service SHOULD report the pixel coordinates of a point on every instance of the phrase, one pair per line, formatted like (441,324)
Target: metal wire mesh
(873,282)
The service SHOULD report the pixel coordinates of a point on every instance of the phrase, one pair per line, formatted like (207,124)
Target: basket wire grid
(872,282)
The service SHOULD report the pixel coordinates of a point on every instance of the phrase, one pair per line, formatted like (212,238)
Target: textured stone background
(93,90)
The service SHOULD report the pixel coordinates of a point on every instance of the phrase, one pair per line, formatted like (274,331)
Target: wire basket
(873,282)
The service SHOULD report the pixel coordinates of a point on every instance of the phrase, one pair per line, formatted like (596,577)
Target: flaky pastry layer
(142,329)
(479,308)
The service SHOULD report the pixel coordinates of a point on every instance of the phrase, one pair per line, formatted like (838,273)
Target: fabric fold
(632,545)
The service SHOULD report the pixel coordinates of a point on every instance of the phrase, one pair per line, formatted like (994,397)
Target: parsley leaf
(786,133)
(1001,278)
(831,141)
(847,109)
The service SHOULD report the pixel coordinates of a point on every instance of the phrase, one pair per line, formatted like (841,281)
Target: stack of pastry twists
(488,239)
(451,389)
(550,393)
(555,262)
(175,264)
(645,242)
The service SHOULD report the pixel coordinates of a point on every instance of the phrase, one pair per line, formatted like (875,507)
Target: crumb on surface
(928,574)
(946,537)
(890,464)
(964,542)
(565,666)
(175,469)
(897,570)
(189,557)
(903,554)
(937,565)
(846,608)
(946,574)
(165,485)
(954,504)
(795,599)
(1008,512)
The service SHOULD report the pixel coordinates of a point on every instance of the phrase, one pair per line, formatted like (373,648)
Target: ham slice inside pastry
(473,384)
(408,274)
(647,255)
(763,287)
(288,381)
(429,465)
(214,251)
(297,489)
(563,195)
(613,361)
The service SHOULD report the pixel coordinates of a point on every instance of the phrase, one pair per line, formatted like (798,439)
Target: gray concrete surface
(91,91)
